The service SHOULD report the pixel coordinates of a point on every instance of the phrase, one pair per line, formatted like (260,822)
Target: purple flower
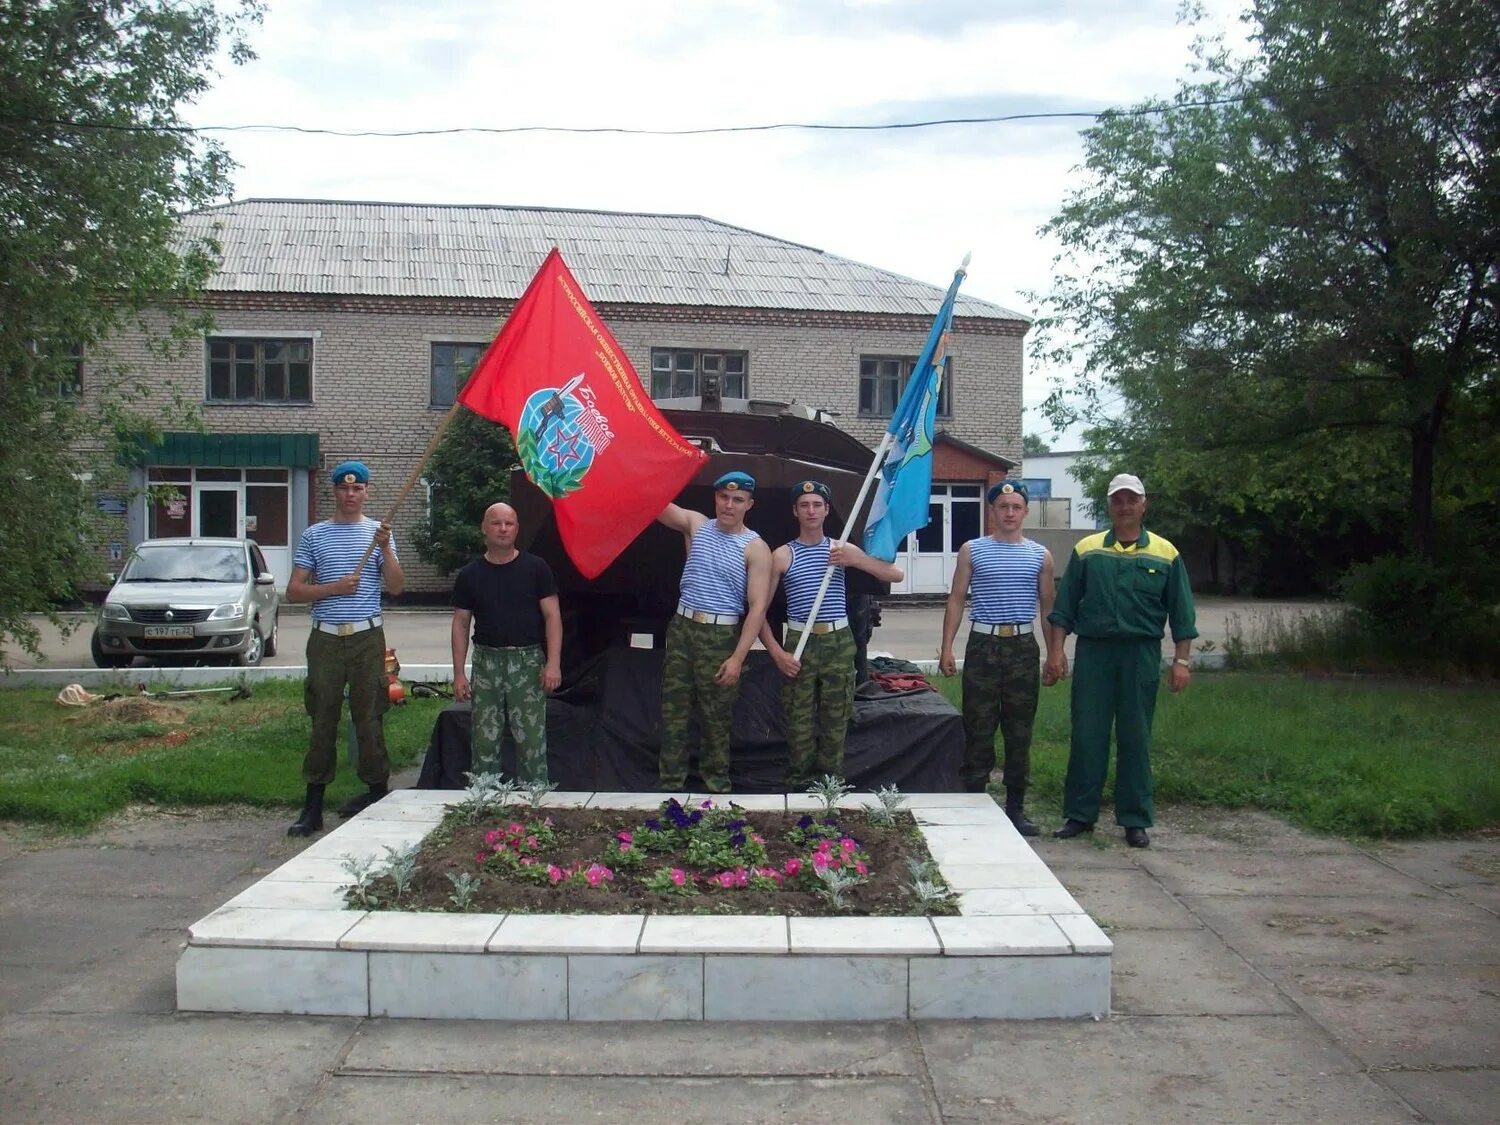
(653,825)
(805,822)
(737,840)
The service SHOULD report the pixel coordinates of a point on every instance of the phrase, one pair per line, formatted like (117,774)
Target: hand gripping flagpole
(939,357)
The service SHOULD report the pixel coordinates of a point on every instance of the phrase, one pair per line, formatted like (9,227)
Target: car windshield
(186,563)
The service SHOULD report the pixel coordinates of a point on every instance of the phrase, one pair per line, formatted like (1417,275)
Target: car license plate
(153,631)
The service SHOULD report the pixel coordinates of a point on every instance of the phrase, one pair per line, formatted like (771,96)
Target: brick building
(339,326)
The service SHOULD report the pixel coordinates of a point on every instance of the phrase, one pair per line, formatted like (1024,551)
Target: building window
(451,364)
(882,378)
(249,369)
(679,374)
(57,368)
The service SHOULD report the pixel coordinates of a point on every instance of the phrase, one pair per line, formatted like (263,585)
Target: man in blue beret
(818,692)
(1007,579)
(346,645)
(726,584)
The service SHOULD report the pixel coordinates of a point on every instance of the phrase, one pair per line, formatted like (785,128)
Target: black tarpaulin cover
(602,734)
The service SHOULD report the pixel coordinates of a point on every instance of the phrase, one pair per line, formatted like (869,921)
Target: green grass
(71,767)
(1357,758)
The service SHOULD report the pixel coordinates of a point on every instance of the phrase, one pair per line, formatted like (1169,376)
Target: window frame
(907,363)
(725,359)
(432,368)
(236,340)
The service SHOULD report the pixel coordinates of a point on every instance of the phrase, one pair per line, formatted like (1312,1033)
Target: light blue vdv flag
(901,498)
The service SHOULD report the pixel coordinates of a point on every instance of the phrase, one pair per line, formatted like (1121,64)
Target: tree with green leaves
(1285,278)
(468,471)
(1033,445)
(95,167)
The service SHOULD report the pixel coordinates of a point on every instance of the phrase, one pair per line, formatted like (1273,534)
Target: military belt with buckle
(349,628)
(700,617)
(819,627)
(1002,630)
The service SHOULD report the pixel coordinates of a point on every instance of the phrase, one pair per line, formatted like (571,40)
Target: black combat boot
(358,804)
(1015,802)
(311,819)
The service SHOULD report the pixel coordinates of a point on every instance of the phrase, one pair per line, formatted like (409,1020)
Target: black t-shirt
(504,597)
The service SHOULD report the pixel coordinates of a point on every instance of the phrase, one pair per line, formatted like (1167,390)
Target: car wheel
(275,638)
(103,659)
(256,649)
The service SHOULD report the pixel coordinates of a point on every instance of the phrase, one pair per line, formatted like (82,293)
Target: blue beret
(813,487)
(735,482)
(350,472)
(1004,487)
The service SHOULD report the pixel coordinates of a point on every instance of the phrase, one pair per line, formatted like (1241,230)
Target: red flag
(587,434)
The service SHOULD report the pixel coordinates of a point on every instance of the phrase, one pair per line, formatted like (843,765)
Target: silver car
(208,600)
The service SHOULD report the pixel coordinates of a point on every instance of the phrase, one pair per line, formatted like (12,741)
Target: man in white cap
(1121,587)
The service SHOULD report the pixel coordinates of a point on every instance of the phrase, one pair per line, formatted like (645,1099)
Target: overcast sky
(911,201)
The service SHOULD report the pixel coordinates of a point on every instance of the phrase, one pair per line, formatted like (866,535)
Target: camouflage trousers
(358,662)
(507,689)
(819,704)
(1002,676)
(694,653)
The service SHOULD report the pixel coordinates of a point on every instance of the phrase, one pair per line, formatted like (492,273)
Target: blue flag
(901,498)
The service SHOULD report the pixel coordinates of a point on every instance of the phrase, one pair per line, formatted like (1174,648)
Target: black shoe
(358,804)
(1072,828)
(1015,800)
(311,819)
(1137,838)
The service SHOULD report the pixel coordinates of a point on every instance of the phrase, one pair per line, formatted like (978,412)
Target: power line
(616,130)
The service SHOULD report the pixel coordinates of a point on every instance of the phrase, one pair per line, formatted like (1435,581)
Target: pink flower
(862,867)
(491,836)
(847,844)
(757,838)
(531,841)
(820,860)
(515,829)
(624,838)
(723,879)
(479,857)
(527,861)
(555,873)
(597,873)
(792,866)
(678,876)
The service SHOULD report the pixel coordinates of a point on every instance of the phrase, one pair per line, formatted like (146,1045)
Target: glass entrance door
(218,511)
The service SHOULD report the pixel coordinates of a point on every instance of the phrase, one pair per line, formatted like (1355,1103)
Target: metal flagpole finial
(963,267)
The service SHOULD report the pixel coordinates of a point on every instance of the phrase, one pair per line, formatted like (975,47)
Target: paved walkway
(1260,974)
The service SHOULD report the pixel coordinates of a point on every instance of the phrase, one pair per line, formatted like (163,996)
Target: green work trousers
(358,662)
(1002,676)
(1114,685)
(507,692)
(694,652)
(819,704)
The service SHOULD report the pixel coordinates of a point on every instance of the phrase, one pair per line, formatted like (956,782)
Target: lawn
(1368,757)
(1352,757)
(73,766)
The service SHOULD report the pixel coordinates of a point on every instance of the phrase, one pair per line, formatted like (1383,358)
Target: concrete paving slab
(1198,828)
(1468,869)
(1298,930)
(1127,899)
(1187,973)
(70,932)
(547,1101)
(1399,1014)
(164,1068)
(1066,855)
(1189,1069)
(138,979)
(1278,873)
(643,1049)
(1448,1097)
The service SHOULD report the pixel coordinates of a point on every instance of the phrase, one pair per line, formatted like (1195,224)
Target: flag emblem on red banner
(585,431)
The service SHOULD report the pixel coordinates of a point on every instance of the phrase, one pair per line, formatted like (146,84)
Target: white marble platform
(1021,948)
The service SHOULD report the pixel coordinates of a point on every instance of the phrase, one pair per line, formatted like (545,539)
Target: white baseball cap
(1125,482)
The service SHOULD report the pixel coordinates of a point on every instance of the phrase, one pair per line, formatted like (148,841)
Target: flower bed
(705,857)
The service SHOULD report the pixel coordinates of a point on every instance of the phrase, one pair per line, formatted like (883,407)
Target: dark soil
(584,836)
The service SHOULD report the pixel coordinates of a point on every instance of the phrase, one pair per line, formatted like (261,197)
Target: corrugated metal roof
(434,250)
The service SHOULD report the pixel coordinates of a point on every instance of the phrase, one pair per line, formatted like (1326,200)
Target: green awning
(229,451)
